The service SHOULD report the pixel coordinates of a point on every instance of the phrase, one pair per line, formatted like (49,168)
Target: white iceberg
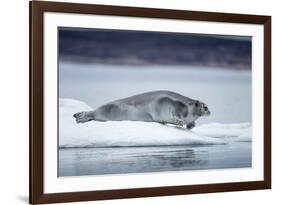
(236,132)
(128,133)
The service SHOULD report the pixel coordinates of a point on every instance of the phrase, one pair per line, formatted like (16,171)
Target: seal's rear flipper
(81,117)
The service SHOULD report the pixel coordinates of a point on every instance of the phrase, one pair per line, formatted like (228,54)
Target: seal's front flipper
(190,125)
(81,117)
(178,122)
(162,123)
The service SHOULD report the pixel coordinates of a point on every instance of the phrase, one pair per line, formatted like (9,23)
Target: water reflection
(173,158)
(118,160)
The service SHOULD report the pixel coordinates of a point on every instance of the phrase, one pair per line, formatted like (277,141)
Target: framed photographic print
(139,102)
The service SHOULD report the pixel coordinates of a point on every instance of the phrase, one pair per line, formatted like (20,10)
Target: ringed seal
(164,107)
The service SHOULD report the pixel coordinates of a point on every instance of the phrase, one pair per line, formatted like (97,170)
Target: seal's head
(200,109)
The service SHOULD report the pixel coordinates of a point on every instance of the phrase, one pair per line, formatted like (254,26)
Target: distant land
(153,48)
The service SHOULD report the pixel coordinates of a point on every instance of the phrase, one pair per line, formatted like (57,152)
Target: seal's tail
(81,117)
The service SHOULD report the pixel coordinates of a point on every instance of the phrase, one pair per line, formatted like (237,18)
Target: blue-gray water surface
(121,160)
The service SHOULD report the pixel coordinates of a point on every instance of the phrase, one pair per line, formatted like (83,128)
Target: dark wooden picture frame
(37,9)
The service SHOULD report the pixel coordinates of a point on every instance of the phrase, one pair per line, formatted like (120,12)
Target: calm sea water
(121,160)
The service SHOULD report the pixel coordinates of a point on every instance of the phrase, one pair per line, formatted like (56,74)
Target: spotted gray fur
(164,107)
